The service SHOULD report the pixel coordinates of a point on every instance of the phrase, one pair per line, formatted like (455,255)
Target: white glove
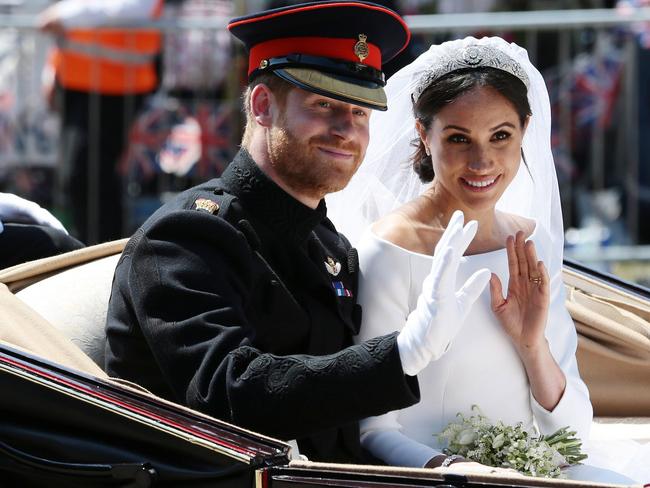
(16,209)
(441,308)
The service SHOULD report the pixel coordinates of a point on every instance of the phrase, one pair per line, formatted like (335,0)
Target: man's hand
(16,209)
(441,307)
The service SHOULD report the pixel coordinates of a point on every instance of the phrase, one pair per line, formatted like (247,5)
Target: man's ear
(262,103)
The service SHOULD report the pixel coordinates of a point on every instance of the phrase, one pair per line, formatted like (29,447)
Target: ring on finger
(535,279)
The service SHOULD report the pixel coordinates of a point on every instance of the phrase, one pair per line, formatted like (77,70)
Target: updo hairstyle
(451,86)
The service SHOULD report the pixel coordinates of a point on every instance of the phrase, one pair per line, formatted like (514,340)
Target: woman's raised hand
(524,310)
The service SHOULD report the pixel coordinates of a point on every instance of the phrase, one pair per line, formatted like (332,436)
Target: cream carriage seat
(71,292)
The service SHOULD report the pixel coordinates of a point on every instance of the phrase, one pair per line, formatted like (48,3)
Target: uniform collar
(268,202)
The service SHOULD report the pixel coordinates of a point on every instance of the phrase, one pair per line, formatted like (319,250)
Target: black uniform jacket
(247,311)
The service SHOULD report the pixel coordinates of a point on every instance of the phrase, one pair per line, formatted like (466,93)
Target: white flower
(498,441)
(558,459)
(467,437)
(511,446)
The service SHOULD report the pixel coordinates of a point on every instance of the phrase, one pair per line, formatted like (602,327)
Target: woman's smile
(480,184)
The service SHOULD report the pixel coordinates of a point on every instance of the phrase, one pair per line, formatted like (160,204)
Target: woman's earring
(426,150)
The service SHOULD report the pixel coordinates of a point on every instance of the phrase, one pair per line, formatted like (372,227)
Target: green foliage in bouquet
(507,446)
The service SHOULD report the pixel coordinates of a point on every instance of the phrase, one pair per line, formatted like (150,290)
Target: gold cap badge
(206,205)
(361,48)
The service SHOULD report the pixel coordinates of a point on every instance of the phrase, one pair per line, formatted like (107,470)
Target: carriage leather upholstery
(75,301)
(61,302)
(613,346)
(21,326)
(22,275)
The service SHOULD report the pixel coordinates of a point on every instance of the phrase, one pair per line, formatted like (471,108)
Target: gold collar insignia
(206,205)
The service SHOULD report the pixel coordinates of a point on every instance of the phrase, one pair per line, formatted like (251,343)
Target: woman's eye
(501,135)
(457,138)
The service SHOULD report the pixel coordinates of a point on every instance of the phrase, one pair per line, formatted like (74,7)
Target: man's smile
(337,153)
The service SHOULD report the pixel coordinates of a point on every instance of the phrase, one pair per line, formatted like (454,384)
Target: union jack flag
(184,138)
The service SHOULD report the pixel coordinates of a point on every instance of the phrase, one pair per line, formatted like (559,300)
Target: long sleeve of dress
(574,408)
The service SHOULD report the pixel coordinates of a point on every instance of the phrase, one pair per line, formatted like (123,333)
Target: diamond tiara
(476,56)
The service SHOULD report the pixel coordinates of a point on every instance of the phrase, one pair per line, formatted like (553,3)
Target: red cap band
(328,47)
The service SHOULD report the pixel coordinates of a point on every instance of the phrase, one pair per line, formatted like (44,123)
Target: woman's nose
(481,160)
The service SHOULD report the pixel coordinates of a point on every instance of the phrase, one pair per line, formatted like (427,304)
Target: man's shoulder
(207,198)
(203,216)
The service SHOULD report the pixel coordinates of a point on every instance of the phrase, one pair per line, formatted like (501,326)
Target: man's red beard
(300,165)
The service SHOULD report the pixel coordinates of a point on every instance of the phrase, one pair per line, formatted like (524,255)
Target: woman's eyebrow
(457,127)
(467,131)
(502,124)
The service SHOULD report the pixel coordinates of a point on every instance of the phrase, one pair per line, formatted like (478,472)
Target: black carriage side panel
(61,429)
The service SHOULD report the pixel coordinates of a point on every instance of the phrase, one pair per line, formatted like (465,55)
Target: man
(238,297)
(102,75)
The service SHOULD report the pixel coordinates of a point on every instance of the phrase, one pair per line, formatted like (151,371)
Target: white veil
(386,180)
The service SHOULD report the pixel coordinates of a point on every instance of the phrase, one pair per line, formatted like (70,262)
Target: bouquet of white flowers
(513,447)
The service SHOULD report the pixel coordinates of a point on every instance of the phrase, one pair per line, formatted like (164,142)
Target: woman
(476,109)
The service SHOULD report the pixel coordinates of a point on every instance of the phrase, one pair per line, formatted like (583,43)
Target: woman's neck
(489,234)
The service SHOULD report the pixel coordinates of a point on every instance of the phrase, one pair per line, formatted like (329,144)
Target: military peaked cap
(334,48)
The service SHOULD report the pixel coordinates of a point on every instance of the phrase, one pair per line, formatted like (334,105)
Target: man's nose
(343,124)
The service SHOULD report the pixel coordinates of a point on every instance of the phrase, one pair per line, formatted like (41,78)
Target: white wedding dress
(481,366)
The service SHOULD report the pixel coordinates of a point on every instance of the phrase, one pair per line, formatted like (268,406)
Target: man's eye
(360,113)
(324,104)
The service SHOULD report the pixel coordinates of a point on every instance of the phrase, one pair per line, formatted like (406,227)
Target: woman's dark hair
(451,86)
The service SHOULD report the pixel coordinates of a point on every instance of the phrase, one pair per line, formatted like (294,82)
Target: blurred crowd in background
(186,126)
